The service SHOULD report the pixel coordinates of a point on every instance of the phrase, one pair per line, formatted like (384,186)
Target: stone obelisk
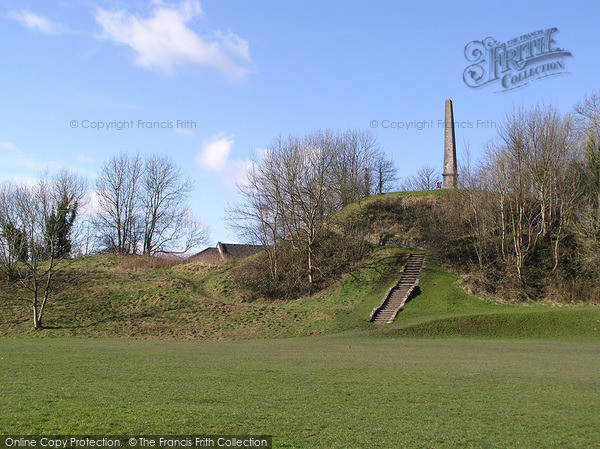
(450,172)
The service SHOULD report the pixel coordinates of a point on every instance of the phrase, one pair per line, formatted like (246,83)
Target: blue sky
(245,72)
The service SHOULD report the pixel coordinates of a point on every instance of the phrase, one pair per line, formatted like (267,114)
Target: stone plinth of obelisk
(450,172)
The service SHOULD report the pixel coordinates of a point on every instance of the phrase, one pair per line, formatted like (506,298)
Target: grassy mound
(110,296)
(106,297)
(397,218)
(133,297)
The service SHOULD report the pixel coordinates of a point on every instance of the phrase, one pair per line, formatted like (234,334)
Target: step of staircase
(397,296)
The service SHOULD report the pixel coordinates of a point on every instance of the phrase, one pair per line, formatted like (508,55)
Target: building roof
(211,252)
(240,250)
(224,251)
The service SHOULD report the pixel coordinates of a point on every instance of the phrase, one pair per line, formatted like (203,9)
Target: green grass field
(320,392)
(453,370)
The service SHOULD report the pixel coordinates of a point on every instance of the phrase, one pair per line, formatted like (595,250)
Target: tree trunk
(311,242)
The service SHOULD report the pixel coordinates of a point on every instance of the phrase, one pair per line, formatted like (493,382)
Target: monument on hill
(450,173)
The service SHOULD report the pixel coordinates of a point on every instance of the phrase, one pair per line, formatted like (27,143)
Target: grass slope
(386,196)
(442,309)
(101,297)
(525,377)
(322,392)
(111,296)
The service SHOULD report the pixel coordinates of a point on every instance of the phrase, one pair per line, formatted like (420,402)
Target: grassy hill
(106,297)
(112,296)
(120,297)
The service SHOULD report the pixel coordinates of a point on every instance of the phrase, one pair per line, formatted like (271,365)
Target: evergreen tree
(58,227)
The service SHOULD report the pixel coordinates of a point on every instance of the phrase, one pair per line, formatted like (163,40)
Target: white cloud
(215,152)
(90,205)
(165,41)
(214,157)
(36,22)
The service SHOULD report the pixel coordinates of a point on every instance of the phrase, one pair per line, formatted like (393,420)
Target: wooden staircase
(396,297)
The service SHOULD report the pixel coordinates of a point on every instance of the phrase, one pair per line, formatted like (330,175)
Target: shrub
(335,255)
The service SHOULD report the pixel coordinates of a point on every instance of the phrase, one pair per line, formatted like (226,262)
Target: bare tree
(474,199)
(70,190)
(300,181)
(359,167)
(66,183)
(14,246)
(386,174)
(85,238)
(426,178)
(258,218)
(29,252)
(587,227)
(532,167)
(313,160)
(168,224)
(143,206)
(119,217)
